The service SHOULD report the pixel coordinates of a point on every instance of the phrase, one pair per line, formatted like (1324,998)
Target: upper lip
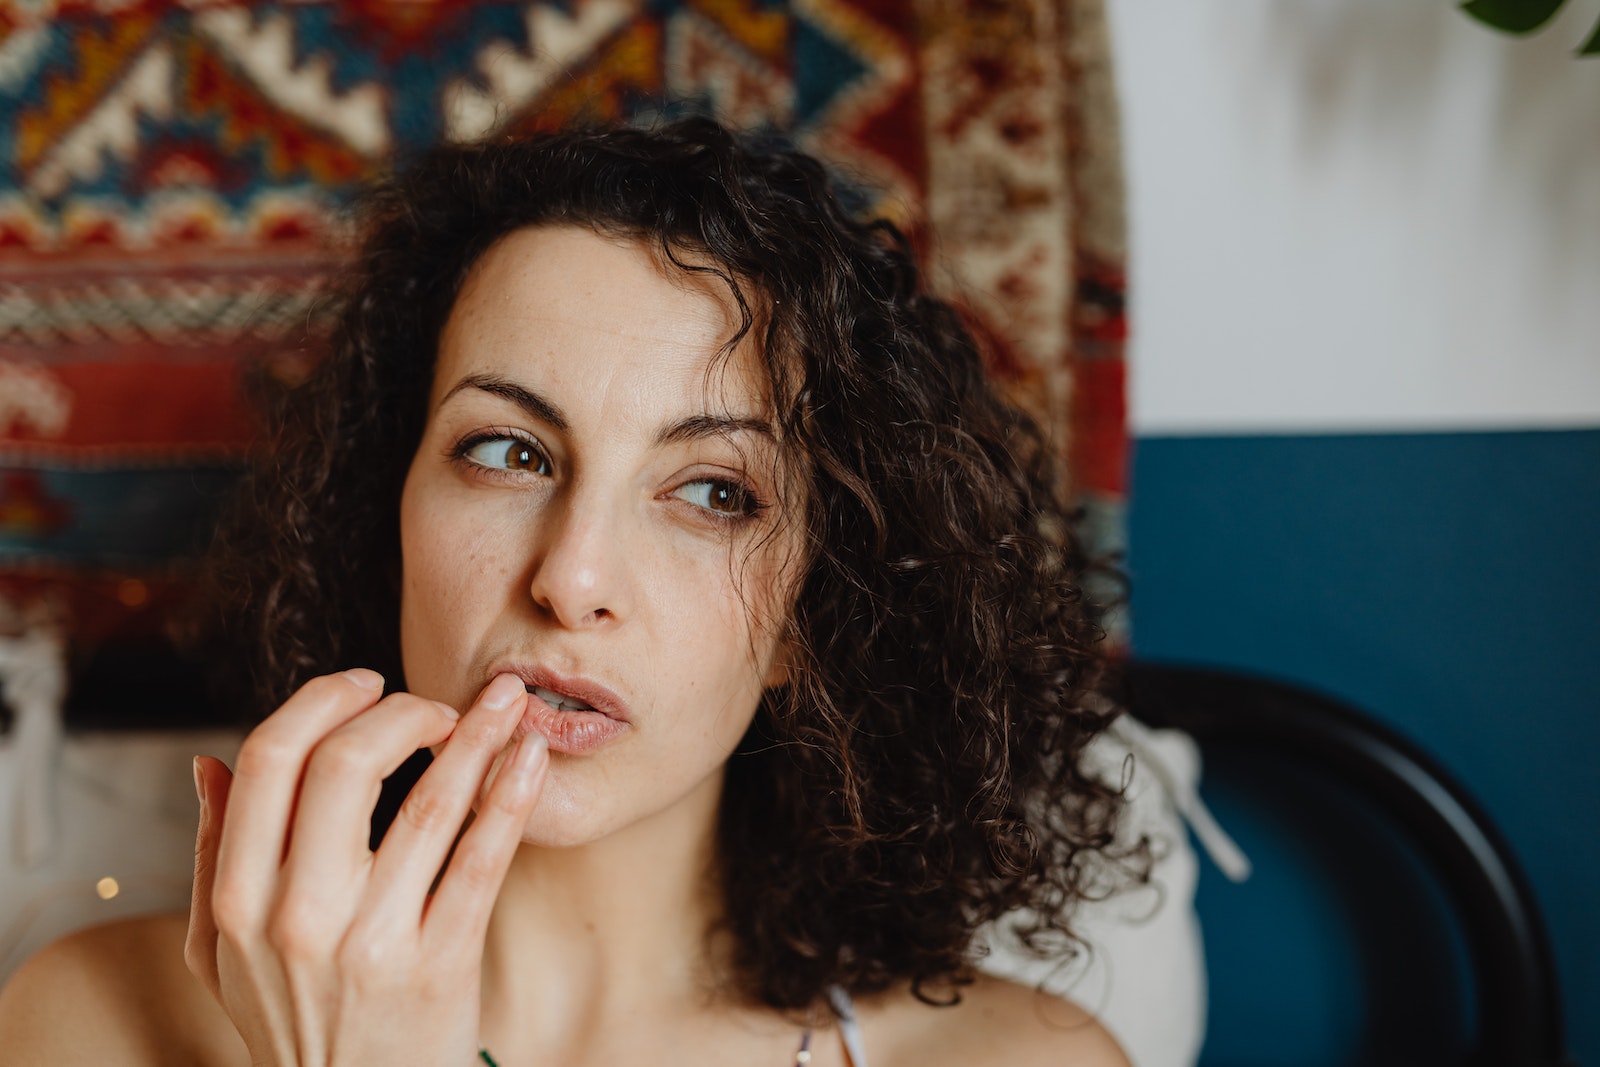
(587,690)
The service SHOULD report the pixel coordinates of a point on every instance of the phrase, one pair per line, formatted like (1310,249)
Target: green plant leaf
(1513,16)
(1591,47)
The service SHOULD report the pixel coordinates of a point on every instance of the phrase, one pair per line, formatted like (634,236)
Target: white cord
(1223,850)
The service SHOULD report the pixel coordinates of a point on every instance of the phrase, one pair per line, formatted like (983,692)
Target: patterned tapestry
(172,179)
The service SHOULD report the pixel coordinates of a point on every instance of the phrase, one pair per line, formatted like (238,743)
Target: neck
(608,931)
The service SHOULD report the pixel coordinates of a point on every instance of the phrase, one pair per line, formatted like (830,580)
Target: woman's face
(595,506)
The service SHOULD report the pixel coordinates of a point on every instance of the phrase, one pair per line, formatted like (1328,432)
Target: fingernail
(503,692)
(449,712)
(364,678)
(199,783)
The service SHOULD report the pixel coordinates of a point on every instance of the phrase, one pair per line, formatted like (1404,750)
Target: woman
(739,614)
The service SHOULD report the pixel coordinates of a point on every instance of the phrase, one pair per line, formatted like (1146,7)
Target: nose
(579,574)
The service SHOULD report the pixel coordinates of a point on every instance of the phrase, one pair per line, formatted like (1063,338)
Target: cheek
(451,565)
(718,626)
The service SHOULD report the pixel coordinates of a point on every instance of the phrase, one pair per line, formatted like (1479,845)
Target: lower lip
(570,731)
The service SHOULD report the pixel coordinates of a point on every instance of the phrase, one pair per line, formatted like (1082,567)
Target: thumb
(212,781)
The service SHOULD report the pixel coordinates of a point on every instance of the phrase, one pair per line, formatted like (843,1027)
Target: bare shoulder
(116,994)
(996,1021)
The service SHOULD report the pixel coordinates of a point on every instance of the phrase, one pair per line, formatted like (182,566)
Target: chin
(555,824)
(570,815)
(578,808)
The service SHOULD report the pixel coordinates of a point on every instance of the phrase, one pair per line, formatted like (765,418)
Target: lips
(575,714)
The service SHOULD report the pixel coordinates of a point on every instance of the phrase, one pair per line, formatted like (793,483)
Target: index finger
(255,827)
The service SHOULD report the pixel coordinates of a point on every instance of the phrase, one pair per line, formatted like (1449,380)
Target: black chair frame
(1520,1021)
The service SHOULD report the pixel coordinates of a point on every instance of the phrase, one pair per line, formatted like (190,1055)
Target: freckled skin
(602,559)
(603,566)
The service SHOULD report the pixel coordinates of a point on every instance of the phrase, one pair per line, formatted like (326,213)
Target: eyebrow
(692,428)
(699,427)
(525,398)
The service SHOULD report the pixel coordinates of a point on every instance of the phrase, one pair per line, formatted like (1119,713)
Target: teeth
(559,701)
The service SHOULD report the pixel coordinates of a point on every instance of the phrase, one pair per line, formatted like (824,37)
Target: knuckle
(507,796)
(480,738)
(264,755)
(407,699)
(477,871)
(200,958)
(364,954)
(425,810)
(298,930)
(230,908)
(330,691)
(440,985)
(341,754)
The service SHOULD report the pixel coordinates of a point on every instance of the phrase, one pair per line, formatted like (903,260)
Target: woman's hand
(321,951)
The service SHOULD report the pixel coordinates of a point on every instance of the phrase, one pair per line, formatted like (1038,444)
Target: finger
(429,820)
(211,782)
(267,773)
(328,847)
(459,912)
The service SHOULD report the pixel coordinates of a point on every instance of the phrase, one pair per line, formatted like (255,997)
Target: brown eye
(508,454)
(719,497)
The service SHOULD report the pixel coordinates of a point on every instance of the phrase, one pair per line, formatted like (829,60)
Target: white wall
(1362,215)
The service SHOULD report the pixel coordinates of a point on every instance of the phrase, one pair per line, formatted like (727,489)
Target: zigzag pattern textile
(172,177)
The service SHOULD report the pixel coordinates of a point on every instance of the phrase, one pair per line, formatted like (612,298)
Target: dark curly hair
(919,775)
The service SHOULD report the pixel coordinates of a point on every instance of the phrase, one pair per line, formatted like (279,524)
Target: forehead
(599,317)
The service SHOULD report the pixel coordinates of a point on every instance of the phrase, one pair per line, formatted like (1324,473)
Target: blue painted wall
(1448,583)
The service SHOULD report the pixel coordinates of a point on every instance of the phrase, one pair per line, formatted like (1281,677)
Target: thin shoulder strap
(849,1029)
